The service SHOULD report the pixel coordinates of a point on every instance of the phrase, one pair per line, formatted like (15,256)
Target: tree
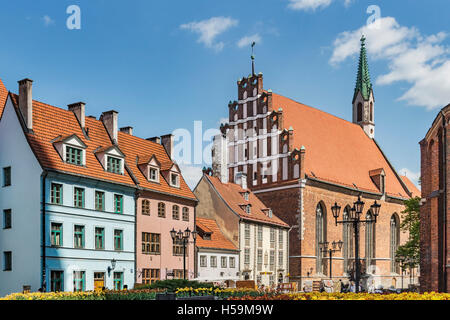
(409,253)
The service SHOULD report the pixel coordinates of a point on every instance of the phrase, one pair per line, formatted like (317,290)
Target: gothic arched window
(321,236)
(359,112)
(394,241)
(370,239)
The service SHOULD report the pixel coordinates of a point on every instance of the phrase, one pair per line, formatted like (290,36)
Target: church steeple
(363,99)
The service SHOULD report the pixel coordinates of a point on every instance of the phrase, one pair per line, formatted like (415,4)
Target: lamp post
(354,219)
(335,247)
(184,238)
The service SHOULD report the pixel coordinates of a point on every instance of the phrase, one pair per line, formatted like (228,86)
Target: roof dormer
(171,173)
(111,158)
(150,168)
(378,177)
(268,212)
(247,208)
(71,149)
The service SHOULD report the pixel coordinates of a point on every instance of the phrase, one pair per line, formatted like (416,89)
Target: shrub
(173,285)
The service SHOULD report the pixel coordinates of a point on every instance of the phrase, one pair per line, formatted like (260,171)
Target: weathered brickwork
(434,228)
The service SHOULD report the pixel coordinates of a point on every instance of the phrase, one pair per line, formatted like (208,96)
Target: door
(99,280)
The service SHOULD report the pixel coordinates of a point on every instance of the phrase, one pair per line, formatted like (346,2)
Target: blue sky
(165,64)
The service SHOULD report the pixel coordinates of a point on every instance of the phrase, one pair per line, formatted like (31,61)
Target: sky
(166,65)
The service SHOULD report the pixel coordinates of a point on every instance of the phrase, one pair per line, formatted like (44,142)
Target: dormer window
(153,174)
(248,209)
(74,156)
(246,195)
(174,179)
(114,165)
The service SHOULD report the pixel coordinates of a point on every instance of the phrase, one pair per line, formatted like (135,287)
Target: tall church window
(348,238)
(394,241)
(371,111)
(370,239)
(321,236)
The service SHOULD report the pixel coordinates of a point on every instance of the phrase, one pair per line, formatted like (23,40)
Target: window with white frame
(213,261)
(174,179)
(114,165)
(153,174)
(203,261)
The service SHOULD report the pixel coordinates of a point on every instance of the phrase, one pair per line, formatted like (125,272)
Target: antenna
(253,59)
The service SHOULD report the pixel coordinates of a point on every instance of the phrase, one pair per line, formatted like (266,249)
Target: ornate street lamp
(355,219)
(184,238)
(335,247)
(112,267)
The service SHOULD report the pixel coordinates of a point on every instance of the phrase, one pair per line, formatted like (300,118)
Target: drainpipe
(444,220)
(43,280)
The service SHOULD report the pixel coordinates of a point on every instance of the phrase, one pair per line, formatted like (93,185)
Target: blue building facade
(89,234)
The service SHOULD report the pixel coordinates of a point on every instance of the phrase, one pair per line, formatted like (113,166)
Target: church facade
(300,161)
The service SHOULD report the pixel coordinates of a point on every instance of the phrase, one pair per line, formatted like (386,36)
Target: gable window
(114,165)
(78,198)
(7,258)
(56,239)
(174,180)
(161,210)
(185,214)
(118,203)
(99,201)
(74,156)
(78,237)
(153,174)
(175,213)
(56,193)
(118,240)
(145,207)
(99,238)
(7,176)
(7,219)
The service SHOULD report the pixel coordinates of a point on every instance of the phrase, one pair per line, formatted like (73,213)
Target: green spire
(363,83)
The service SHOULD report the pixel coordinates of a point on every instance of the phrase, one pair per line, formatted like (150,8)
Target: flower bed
(218,292)
(347,296)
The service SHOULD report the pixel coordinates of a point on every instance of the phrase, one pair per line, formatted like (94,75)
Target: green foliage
(410,251)
(173,284)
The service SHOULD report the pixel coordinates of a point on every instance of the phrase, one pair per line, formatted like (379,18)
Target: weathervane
(253,59)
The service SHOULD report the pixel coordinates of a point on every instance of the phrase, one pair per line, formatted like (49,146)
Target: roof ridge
(317,109)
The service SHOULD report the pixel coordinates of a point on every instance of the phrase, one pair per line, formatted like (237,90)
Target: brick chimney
(110,121)
(167,142)
(26,102)
(127,130)
(78,109)
(155,139)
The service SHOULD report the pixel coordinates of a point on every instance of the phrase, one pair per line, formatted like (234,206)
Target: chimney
(167,142)
(110,121)
(241,179)
(78,109)
(155,139)
(26,102)
(127,130)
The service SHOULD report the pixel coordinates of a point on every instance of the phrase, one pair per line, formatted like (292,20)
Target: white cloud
(47,20)
(423,62)
(310,5)
(209,29)
(413,176)
(247,40)
(191,174)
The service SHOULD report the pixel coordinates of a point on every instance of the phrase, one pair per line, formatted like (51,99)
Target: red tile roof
(337,151)
(50,122)
(3,97)
(135,147)
(411,186)
(218,239)
(231,193)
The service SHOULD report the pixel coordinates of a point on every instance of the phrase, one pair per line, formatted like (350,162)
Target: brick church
(434,215)
(300,160)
